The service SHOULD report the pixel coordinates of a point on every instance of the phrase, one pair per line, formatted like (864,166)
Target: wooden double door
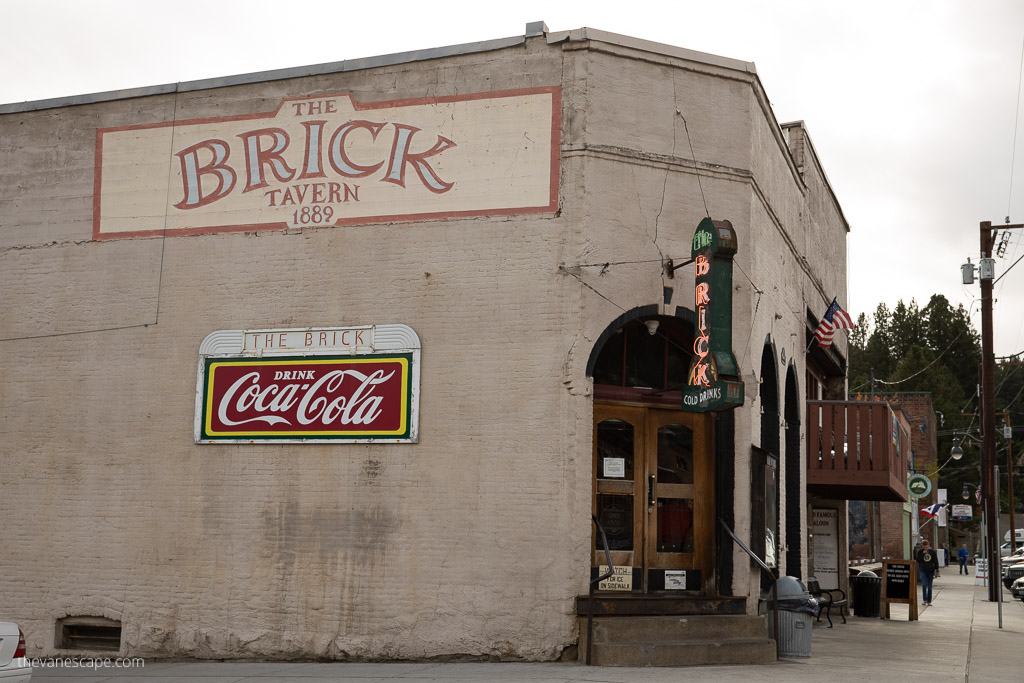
(654,497)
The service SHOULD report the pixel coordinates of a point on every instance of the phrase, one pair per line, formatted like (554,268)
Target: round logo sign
(919,485)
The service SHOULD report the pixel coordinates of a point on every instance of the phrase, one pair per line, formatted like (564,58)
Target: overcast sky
(911,104)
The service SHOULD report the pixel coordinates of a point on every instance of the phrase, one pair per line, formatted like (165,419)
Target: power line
(694,157)
(592,289)
(1013,155)
(69,334)
(900,381)
(160,272)
(605,264)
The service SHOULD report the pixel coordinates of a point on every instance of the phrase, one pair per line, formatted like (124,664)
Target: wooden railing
(857,450)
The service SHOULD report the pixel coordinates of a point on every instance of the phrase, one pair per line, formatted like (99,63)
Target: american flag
(835,318)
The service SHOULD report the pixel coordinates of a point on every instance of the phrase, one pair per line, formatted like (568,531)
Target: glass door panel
(618,449)
(675,525)
(615,513)
(681,488)
(675,454)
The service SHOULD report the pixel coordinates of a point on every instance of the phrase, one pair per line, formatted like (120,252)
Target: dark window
(608,369)
(635,358)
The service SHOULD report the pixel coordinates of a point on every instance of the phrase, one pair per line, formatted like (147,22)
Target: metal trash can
(867,594)
(796,618)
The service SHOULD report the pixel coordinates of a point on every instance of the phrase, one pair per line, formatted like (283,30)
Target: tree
(934,349)
(949,330)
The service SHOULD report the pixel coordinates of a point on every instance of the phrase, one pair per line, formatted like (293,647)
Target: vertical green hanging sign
(713,382)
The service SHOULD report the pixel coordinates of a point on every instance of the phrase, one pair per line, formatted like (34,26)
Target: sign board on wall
(918,485)
(963,512)
(310,385)
(826,547)
(328,160)
(713,382)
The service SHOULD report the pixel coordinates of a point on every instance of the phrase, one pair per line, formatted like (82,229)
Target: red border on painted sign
(550,207)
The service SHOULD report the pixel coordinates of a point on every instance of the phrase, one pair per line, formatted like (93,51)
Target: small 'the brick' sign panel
(311,385)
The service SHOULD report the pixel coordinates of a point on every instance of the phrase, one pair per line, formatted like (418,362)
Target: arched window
(645,360)
(794,556)
(764,467)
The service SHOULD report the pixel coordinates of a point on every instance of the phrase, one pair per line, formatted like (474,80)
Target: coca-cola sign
(300,391)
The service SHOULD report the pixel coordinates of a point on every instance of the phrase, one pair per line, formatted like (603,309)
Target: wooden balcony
(857,450)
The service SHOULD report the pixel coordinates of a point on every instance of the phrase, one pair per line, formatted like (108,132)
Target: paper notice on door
(614,468)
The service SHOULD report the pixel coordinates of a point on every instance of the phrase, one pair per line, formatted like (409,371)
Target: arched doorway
(764,467)
(653,483)
(794,463)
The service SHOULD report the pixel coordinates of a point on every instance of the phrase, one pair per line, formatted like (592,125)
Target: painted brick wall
(473,541)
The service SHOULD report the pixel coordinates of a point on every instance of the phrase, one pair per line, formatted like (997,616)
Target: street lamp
(956,452)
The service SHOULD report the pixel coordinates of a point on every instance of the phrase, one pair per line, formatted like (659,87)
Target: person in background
(927,566)
(962,556)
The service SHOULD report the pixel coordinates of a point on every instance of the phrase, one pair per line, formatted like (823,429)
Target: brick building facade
(494,223)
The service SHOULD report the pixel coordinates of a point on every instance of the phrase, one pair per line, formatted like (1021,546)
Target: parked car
(14,667)
(1017,589)
(1012,573)
(1012,559)
(1005,548)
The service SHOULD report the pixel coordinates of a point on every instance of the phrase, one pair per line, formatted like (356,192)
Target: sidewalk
(956,639)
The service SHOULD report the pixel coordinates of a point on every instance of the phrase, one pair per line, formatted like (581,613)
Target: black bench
(827,599)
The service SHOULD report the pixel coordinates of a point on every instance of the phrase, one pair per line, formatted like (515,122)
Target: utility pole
(988,407)
(1009,474)
(988,411)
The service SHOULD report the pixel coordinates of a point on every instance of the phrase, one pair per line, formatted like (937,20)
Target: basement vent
(88,633)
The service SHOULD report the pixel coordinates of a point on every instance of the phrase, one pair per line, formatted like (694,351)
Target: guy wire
(694,157)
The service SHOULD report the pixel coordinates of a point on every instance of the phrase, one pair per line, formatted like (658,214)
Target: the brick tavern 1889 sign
(327,160)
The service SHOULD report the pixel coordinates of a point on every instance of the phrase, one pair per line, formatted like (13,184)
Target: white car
(1016,557)
(14,667)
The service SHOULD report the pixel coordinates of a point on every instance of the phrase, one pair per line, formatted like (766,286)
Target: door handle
(651,499)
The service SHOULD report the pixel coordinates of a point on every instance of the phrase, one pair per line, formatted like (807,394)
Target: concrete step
(678,640)
(678,628)
(689,653)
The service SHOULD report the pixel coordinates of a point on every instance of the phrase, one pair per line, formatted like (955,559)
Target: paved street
(956,639)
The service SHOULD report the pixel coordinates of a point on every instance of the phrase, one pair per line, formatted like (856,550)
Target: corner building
(338,362)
